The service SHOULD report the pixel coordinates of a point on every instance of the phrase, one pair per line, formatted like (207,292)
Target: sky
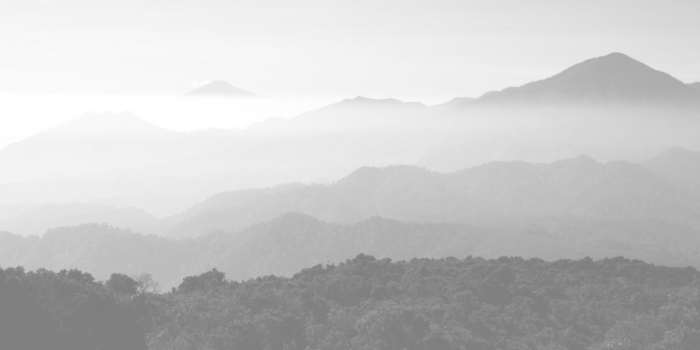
(431,51)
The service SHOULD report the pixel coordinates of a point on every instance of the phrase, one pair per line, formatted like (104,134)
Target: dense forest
(364,303)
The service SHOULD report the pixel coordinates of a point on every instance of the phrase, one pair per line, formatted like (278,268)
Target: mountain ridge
(695,86)
(581,187)
(290,241)
(613,78)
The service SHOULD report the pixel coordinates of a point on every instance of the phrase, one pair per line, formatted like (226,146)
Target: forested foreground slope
(365,303)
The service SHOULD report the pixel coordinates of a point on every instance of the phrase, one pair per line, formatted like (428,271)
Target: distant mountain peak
(613,78)
(617,56)
(219,88)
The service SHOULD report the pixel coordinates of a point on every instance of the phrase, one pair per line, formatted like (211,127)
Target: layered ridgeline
(664,187)
(292,241)
(566,209)
(104,159)
(96,143)
(491,194)
(123,160)
(610,108)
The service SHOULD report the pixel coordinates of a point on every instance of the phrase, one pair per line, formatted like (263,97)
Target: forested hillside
(364,303)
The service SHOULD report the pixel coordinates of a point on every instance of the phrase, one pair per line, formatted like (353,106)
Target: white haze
(23,115)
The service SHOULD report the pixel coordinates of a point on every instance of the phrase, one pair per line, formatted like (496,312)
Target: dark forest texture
(365,303)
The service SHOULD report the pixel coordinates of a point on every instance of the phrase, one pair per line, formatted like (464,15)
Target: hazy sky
(62,58)
(379,48)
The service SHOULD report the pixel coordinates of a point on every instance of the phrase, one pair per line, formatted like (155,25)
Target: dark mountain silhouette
(488,194)
(695,86)
(219,88)
(679,166)
(614,78)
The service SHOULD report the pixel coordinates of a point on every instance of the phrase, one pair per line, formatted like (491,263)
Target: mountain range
(365,131)
(122,162)
(493,193)
(664,187)
(292,241)
(96,143)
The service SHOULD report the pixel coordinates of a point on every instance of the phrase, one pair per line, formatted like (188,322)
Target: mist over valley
(349,176)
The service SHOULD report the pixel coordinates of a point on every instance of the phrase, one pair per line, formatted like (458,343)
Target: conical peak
(614,78)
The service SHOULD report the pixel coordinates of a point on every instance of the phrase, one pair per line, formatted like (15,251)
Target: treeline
(364,303)
(291,242)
